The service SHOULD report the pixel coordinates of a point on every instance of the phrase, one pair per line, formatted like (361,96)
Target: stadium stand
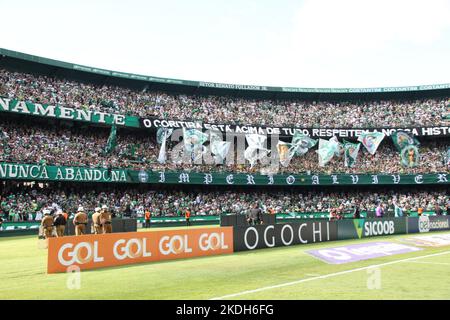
(45,141)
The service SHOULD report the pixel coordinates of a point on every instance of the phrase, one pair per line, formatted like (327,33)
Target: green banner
(35,172)
(66,113)
(12,105)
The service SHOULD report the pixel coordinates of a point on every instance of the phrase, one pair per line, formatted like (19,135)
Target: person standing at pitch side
(96,223)
(80,222)
(187,216)
(147,217)
(105,220)
(47,224)
(60,223)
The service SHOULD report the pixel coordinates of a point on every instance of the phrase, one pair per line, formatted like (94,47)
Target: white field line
(326,276)
(437,263)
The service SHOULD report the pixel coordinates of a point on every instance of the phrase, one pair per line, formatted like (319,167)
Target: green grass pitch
(259,274)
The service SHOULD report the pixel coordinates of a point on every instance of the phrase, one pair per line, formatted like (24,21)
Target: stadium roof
(35,64)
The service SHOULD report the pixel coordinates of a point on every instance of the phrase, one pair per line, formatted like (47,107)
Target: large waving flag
(327,150)
(339,149)
(112,140)
(163,133)
(303,143)
(218,147)
(407,145)
(255,150)
(371,140)
(402,139)
(351,153)
(161,137)
(285,152)
(220,150)
(193,139)
(410,156)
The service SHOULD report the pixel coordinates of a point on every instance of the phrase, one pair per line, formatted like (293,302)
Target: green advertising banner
(364,228)
(35,172)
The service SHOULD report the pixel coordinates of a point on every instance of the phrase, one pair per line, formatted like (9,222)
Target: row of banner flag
(194,139)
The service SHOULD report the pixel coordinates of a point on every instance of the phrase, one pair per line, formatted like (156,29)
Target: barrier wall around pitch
(428,223)
(364,228)
(115,249)
(97,251)
(285,234)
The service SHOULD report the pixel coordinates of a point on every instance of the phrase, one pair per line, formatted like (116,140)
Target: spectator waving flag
(407,145)
(255,150)
(351,153)
(303,143)
(339,149)
(193,139)
(218,147)
(286,151)
(371,140)
(403,139)
(112,140)
(410,156)
(327,150)
(161,136)
(220,150)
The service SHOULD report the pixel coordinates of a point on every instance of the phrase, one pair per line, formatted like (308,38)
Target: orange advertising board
(115,249)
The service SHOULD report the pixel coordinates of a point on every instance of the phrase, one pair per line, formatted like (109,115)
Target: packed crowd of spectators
(63,145)
(26,203)
(73,146)
(215,109)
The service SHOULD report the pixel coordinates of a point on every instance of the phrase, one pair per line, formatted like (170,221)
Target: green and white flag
(112,140)
(285,152)
(218,147)
(402,139)
(163,133)
(327,150)
(351,153)
(161,136)
(193,139)
(303,143)
(339,149)
(371,140)
(410,156)
(255,150)
(220,150)
(407,145)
